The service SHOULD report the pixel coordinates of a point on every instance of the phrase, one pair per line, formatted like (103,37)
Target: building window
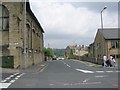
(115,44)
(116,56)
(4,18)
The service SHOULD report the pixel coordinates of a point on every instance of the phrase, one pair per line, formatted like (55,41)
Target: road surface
(62,74)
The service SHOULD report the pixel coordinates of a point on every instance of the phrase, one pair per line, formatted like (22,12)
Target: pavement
(95,65)
(8,70)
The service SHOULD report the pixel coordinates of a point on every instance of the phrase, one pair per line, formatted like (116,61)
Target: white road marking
(93,83)
(12,81)
(16,78)
(117,71)
(84,71)
(4,85)
(44,68)
(100,71)
(84,83)
(11,75)
(86,80)
(109,71)
(68,65)
(3,81)
(101,76)
(51,84)
(8,78)
(15,74)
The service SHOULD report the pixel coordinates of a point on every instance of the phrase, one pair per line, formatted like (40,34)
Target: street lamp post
(102,27)
(25,35)
(102,17)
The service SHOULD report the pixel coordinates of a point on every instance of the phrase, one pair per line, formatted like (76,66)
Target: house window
(115,44)
(4,18)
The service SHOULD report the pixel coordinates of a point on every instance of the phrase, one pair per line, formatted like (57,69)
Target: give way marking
(84,71)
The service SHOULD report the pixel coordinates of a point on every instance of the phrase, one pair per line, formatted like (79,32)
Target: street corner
(92,65)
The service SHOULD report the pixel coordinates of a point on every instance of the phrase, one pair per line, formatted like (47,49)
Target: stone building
(107,42)
(21,34)
(78,50)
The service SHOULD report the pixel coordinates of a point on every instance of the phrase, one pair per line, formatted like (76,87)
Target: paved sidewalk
(8,70)
(95,65)
(34,68)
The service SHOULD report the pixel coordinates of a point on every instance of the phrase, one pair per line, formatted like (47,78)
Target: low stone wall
(89,59)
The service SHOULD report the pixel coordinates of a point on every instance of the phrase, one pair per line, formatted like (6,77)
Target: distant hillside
(59,52)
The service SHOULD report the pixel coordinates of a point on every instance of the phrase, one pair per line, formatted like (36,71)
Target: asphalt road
(63,74)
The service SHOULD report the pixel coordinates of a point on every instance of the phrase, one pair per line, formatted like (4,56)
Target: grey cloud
(97,6)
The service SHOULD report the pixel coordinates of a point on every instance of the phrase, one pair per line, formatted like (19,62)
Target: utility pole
(25,35)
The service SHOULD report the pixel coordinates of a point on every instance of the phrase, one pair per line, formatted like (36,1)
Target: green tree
(48,52)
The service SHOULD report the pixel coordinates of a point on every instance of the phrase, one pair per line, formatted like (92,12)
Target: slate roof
(110,33)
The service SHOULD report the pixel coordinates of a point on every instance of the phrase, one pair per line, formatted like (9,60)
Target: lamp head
(105,7)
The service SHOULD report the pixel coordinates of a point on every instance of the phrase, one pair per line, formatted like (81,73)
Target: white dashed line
(84,71)
(11,76)
(117,71)
(68,65)
(51,84)
(15,74)
(3,81)
(101,76)
(16,78)
(12,81)
(109,71)
(86,80)
(4,85)
(8,78)
(100,71)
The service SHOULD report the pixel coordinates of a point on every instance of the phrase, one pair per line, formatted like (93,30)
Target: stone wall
(15,36)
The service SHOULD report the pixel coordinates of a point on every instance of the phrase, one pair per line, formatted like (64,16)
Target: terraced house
(107,42)
(21,35)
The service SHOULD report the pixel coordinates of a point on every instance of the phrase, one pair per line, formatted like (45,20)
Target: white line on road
(86,80)
(68,65)
(12,81)
(51,84)
(100,71)
(109,71)
(84,71)
(43,68)
(3,81)
(16,78)
(15,74)
(101,76)
(4,85)
(8,78)
(117,71)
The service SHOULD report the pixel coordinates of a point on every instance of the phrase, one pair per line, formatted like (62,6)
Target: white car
(60,58)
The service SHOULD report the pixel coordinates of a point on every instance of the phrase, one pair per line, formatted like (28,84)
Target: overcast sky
(68,23)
